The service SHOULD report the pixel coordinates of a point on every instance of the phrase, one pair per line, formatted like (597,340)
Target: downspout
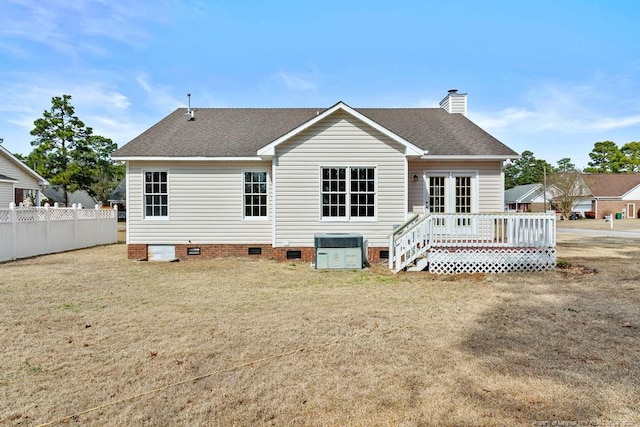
(406,188)
(502,202)
(273,200)
(127,201)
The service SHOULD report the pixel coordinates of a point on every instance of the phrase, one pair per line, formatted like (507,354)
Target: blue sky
(552,77)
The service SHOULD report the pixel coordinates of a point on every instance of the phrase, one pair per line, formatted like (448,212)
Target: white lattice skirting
(487,260)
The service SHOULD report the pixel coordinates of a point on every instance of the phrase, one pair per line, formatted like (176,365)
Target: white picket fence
(26,232)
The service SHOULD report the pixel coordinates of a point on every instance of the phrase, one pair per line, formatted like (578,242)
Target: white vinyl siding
(489,193)
(6,194)
(206,204)
(339,141)
(9,168)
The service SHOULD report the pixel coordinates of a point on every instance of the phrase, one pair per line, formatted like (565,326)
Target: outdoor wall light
(415,178)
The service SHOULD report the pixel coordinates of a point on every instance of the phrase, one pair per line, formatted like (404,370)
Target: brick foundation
(139,251)
(136,251)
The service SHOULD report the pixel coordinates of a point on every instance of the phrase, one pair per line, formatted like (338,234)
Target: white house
(526,198)
(264,181)
(17,180)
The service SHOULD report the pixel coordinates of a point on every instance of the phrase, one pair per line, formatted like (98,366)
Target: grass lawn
(246,342)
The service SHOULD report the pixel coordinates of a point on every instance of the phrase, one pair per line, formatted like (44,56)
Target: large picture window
(255,194)
(156,196)
(348,192)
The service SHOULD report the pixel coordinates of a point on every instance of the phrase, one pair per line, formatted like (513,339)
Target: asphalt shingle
(241,132)
(611,184)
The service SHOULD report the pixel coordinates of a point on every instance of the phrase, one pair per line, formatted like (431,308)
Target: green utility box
(340,251)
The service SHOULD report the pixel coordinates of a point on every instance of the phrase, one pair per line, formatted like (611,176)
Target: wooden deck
(475,242)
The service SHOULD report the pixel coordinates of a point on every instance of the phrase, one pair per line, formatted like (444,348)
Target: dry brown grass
(88,328)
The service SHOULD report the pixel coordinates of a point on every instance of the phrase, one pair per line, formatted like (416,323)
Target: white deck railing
(419,234)
(26,232)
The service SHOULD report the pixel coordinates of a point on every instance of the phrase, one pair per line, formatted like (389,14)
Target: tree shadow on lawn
(563,346)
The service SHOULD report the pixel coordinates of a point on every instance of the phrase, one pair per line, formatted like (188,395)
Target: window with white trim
(463,194)
(255,194)
(156,194)
(463,197)
(348,192)
(436,194)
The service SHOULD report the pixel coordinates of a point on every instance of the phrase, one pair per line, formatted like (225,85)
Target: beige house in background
(18,181)
(264,181)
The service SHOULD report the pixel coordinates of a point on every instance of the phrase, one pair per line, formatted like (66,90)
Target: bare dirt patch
(280,343)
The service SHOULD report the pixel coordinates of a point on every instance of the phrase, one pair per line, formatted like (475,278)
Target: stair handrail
(413,222)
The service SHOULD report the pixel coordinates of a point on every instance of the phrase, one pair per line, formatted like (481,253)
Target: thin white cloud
(587,108)
(298,81)
(161,96)
(77,27)
(99,105)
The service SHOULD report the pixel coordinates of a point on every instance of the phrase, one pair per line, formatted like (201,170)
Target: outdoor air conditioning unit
(340,251)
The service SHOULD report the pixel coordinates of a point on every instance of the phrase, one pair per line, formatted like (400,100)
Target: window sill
(349,219)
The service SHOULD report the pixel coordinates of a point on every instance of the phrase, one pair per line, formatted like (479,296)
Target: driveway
(625,228)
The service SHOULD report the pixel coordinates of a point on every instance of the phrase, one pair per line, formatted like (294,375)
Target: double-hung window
(348,192)
(156,195)
(255,194)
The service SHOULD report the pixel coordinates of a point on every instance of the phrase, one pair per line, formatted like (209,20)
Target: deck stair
(419,264)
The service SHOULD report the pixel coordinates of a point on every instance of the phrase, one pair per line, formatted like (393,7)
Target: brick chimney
(455,102)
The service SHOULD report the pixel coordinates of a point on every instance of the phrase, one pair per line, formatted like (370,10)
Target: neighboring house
(614,193)
(54,194)
(18,182)
(526,198)
(118,198)
(238,181)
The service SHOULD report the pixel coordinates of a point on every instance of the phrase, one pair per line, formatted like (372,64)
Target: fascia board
(187,159)
(468,157)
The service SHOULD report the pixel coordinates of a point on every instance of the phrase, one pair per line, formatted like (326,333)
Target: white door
(451,192)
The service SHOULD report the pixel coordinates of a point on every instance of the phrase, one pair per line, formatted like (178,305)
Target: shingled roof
(523,193)
(241,132)
(611,184)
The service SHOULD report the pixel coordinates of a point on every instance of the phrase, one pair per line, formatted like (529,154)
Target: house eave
(468,157)
(186,159)
(40,179)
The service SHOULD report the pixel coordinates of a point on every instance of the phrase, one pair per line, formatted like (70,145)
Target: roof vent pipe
(190,112)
